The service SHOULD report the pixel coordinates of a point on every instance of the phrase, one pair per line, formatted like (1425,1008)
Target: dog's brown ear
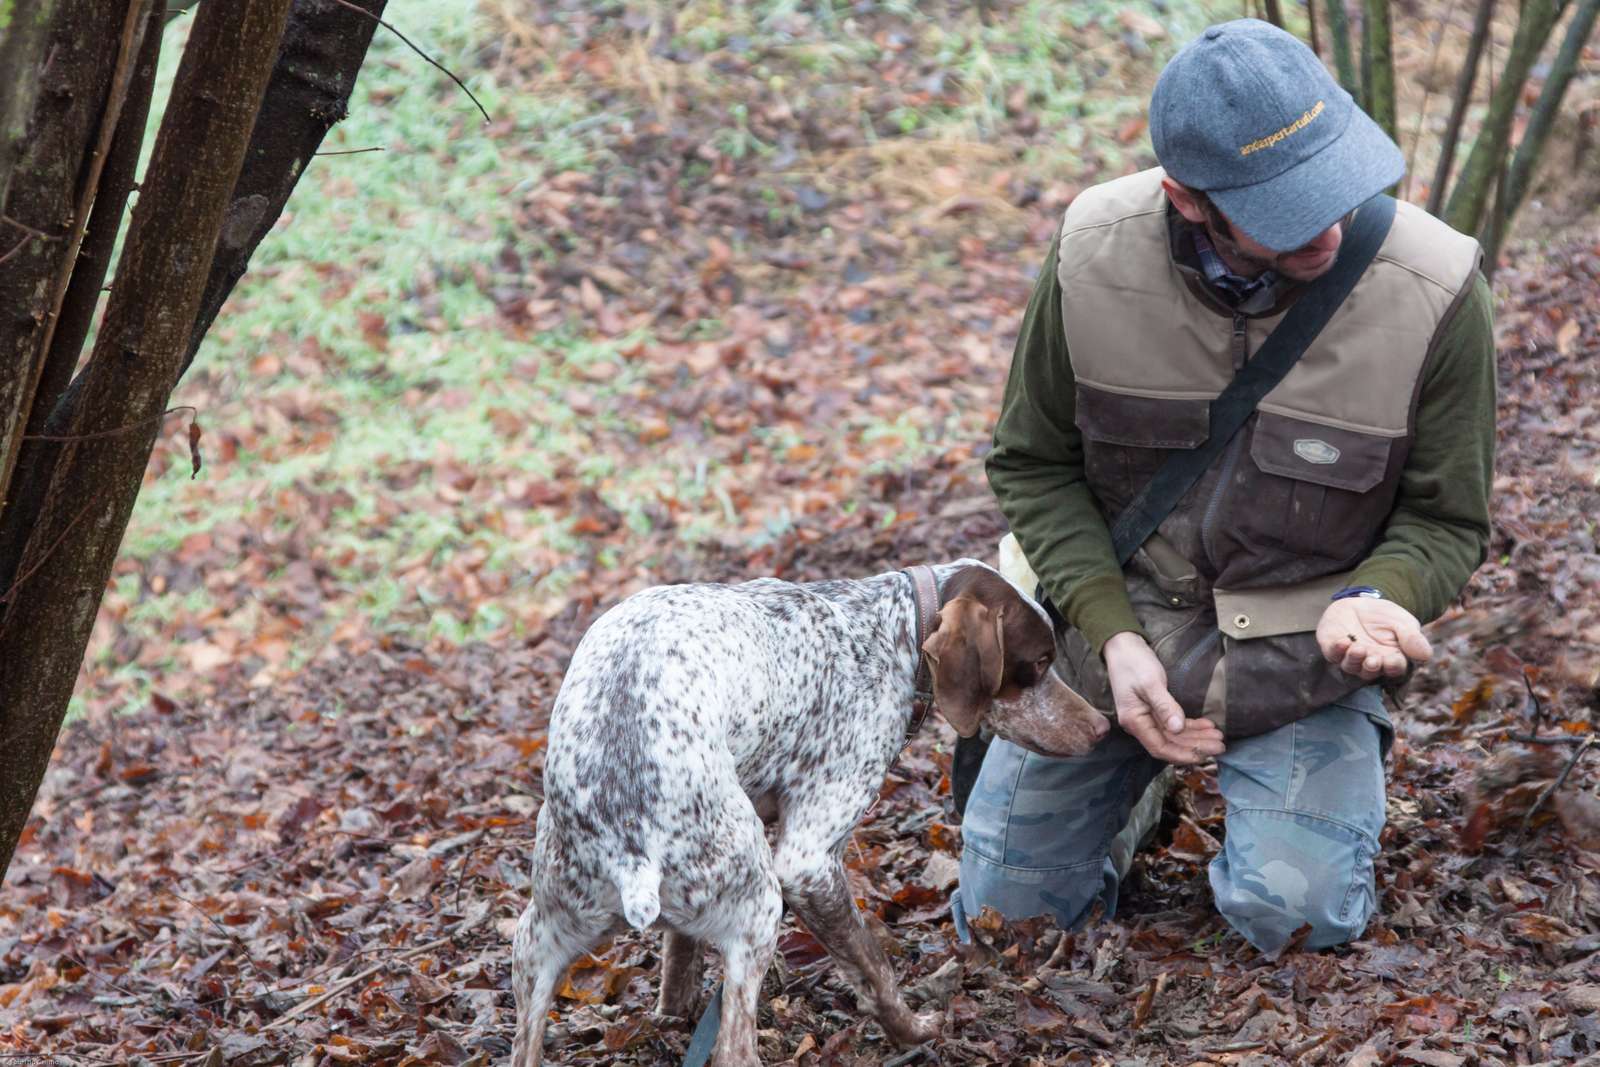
(968,654)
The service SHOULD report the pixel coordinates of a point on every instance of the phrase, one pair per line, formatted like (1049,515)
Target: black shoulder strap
(1277,355)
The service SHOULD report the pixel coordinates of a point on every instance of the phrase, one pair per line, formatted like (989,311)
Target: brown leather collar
(925,596)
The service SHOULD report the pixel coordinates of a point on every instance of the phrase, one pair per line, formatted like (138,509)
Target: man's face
(1306,263)
(1244,256)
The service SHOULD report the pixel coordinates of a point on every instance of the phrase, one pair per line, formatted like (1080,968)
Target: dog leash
(705,1033)
(925,597)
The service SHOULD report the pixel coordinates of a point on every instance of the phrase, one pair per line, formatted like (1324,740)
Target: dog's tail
(640,885)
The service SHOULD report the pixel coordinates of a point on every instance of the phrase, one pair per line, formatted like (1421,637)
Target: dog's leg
(743,925)
(682,963)
(816,888)
(746,955)
(541,951)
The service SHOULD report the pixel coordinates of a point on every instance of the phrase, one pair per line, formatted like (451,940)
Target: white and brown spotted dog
(691,714)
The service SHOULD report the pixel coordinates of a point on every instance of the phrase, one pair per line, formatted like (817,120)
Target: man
(1297,572)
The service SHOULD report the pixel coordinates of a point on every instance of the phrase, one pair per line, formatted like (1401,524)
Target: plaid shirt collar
(1248,295)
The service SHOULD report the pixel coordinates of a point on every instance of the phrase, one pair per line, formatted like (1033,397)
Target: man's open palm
(1147,711)
(1371,638)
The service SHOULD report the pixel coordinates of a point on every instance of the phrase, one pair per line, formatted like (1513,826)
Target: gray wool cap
(1248,114)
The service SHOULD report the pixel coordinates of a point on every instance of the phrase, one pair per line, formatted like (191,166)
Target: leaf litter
(324,865)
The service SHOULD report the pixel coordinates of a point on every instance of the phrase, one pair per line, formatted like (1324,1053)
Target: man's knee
(1283,870)
(1065,893)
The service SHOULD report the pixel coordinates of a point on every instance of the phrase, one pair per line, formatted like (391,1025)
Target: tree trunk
(24,46)
(1470,199)
(105,220)
(46,184)
(1378,49)
(1343,59)
(137,355)
(324,45)
(1458,106)
(1531,147)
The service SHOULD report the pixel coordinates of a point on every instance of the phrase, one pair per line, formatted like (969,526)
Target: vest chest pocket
(1323,491)
(1125,438)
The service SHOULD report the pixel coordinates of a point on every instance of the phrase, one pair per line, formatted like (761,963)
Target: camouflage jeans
(1305,803)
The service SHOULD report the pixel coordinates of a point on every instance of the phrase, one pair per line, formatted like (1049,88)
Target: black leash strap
(1229,411)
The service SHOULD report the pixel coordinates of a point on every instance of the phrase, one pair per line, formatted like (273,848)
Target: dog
(692,715)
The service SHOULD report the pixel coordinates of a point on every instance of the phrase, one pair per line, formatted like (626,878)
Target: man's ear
(968,654)
(1184,200)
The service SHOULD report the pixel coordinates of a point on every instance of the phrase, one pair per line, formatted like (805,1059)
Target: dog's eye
(1031,674)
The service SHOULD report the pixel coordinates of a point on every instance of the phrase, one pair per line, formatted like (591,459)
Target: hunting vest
(1231,586)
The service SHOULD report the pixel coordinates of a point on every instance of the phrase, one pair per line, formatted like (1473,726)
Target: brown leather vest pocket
(1125,438)
(1321,490)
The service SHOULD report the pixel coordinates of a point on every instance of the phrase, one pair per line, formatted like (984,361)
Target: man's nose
(1326,241)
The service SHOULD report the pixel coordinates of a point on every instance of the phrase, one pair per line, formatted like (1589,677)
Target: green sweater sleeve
(1036,472)
(1438,533)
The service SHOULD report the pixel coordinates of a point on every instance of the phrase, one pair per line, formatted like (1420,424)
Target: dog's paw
(683,1007)
(916,1029)
(679,1005)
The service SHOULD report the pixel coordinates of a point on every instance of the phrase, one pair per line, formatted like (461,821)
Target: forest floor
(728,296)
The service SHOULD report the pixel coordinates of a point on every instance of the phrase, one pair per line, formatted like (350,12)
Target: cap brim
(1287,210)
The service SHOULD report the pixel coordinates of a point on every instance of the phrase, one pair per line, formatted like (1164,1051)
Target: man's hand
(1147,711)
(1369,638)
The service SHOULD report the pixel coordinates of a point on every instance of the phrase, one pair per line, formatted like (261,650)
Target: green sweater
(1435,538)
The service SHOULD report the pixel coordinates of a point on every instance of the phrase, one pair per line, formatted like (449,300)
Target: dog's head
(991,655)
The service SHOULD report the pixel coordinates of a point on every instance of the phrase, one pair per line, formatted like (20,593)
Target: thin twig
(225,932)
(461,876)
(70,958)
(1561,780)
(117,432)
(25,228)
(1559,739)
(418,51)
(15,249)
(1538,708)
(245,866)
(29,573)
(345,983)
(347,152)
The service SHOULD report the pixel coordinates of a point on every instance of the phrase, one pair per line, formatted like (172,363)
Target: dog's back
(681,705)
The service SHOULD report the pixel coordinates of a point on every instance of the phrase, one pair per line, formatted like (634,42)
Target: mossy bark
(1343,57)
(24,46)
(1469,202)
(1378,49)
(1548,106)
